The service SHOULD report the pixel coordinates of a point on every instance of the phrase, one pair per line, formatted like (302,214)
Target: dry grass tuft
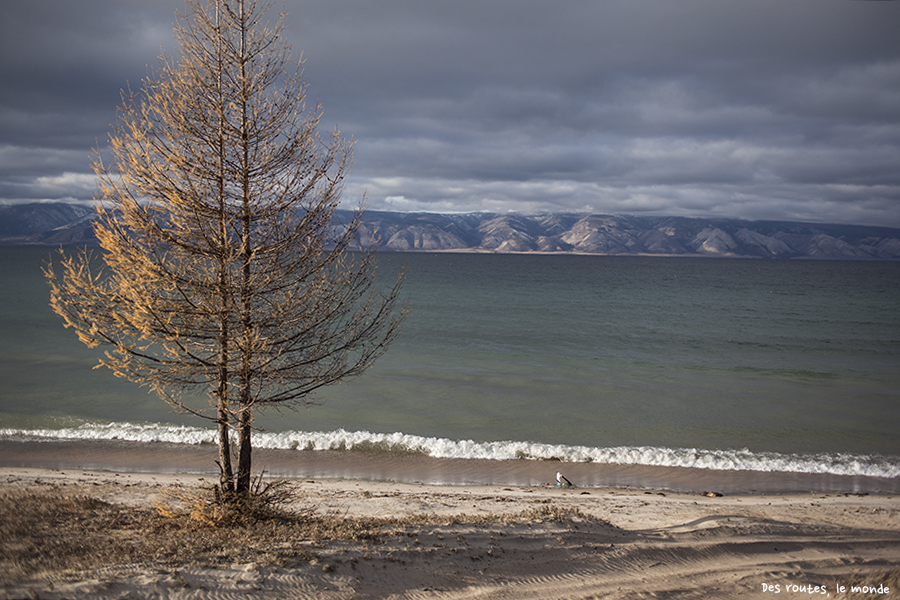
(210,507)
(56,530)
(52,531)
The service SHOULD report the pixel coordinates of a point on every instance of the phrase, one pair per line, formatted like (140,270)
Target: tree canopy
(223,265)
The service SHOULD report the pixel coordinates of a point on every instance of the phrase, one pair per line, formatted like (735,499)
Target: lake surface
(714,363)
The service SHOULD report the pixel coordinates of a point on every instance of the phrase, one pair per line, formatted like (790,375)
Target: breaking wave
(730,460)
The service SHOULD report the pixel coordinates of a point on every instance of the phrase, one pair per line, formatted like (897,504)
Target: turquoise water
(726,363)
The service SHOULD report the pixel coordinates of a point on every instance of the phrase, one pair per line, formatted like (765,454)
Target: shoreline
(615,543)
(168,458)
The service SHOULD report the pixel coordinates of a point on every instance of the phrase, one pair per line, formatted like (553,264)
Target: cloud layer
(759,110)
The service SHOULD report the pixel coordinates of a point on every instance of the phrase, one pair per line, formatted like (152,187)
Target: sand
(626,543)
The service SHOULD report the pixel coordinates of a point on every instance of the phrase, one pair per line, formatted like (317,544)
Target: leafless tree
(224,266)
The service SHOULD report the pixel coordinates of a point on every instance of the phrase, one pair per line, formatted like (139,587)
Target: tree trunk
(226,474)
(244,389)
(244,458)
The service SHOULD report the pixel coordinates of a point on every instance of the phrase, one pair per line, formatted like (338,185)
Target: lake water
(714,363)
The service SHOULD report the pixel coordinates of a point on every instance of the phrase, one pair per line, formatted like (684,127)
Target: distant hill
(49,223)
(67,224)
(623,235)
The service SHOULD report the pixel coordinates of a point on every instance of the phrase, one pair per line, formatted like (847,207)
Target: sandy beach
(488,541)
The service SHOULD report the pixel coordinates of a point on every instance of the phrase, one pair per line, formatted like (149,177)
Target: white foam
(730,460)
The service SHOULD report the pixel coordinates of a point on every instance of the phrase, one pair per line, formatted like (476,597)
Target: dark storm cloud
(64,65)
(758,109)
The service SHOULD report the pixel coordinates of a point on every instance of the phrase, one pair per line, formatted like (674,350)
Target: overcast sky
(756,109)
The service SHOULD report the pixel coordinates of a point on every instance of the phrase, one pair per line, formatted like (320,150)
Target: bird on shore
(561,479)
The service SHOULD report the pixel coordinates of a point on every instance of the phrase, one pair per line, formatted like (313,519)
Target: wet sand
(134,457)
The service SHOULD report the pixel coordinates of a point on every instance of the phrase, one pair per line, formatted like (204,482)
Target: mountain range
(70,224)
